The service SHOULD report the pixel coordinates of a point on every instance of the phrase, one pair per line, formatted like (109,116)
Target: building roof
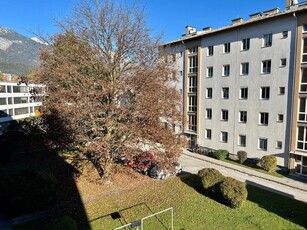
(239,22)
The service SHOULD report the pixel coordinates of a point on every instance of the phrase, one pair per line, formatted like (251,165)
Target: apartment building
(244,86)
(17,102)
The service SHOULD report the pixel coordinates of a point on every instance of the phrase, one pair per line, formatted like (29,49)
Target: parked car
(147,164)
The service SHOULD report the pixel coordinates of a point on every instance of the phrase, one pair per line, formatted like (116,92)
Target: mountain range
(19,55)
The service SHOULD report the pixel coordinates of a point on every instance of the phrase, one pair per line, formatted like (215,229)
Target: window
(210,50)
(243,116)
(265,93)
(2,101)
(224,115)
(224,137)
(208,134)
(245,44)
(192,84)
(227,47)
(266,66)
(264,119)
(304,58)
(302,138)
(281,91)
(209,114)
(267,40)
(303,87)
(210,71)
(284,34)
(193,64)
(193,50)
(192,122)
(226,70)
(244,68)
(283,62)
(280,118)
(20,111)
(305,28)
(2,88)
(180,73)
(244,93)
(192,103)
(279,144)
(225,93)
(263,144)
(209,93)
(302,115)
(173,57)
(242,140)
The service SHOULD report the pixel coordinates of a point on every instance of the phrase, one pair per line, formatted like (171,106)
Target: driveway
(289,187)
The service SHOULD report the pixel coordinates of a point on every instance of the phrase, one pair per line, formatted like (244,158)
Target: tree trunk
(98,167)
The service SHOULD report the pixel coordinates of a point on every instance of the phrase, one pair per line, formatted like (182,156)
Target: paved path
(296,189)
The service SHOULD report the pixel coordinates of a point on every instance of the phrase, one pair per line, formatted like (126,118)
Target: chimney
(209,28)
(290,3)
(237,20)
(190,30)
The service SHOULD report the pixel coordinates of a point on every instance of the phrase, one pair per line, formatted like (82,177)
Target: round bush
(242,156)
(220,154)
(210,178)
(268,163)
(233,192)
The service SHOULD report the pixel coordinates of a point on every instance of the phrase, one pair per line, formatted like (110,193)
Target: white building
(244,86)
(16,101)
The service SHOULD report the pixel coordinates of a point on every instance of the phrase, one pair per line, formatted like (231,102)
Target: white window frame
(224,137)
(209,113)
(281,90)
(240,142)
(278,144)
(267,40)
(243,93)
(265,93)
(208,134)
(244,68)
(263,144)
(264,118)
(224,115)
(266,67)
(209,93)
(210,50)
(283,62)
(243,117)
(245,44)
(209,71)
(226,70)
(225,93)
(280,118)
(227,47)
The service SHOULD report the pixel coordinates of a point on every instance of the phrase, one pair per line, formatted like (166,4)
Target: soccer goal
(159,220)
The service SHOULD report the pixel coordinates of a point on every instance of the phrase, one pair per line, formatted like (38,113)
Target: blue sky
(167,16)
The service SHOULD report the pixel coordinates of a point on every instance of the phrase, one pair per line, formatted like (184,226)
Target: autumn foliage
(107,88)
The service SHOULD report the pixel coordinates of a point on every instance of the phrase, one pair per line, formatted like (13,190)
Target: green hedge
(220,154)
(210,178)
(268,163)
(233,192)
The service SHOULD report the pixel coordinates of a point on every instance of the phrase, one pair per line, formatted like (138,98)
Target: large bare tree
(107,87)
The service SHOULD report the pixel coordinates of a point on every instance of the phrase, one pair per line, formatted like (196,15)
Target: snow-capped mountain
(18,54)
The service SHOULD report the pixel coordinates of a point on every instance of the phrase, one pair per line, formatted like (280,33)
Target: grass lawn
(279,173)
(192,210)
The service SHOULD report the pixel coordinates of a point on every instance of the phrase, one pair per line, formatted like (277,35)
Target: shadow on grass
(192,180)
(281,204)
(36,183)
(132,214)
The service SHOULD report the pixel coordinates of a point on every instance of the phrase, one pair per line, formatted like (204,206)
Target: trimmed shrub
(242,156)
(233,192)
(268,163)
(220,154)
(210,178)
